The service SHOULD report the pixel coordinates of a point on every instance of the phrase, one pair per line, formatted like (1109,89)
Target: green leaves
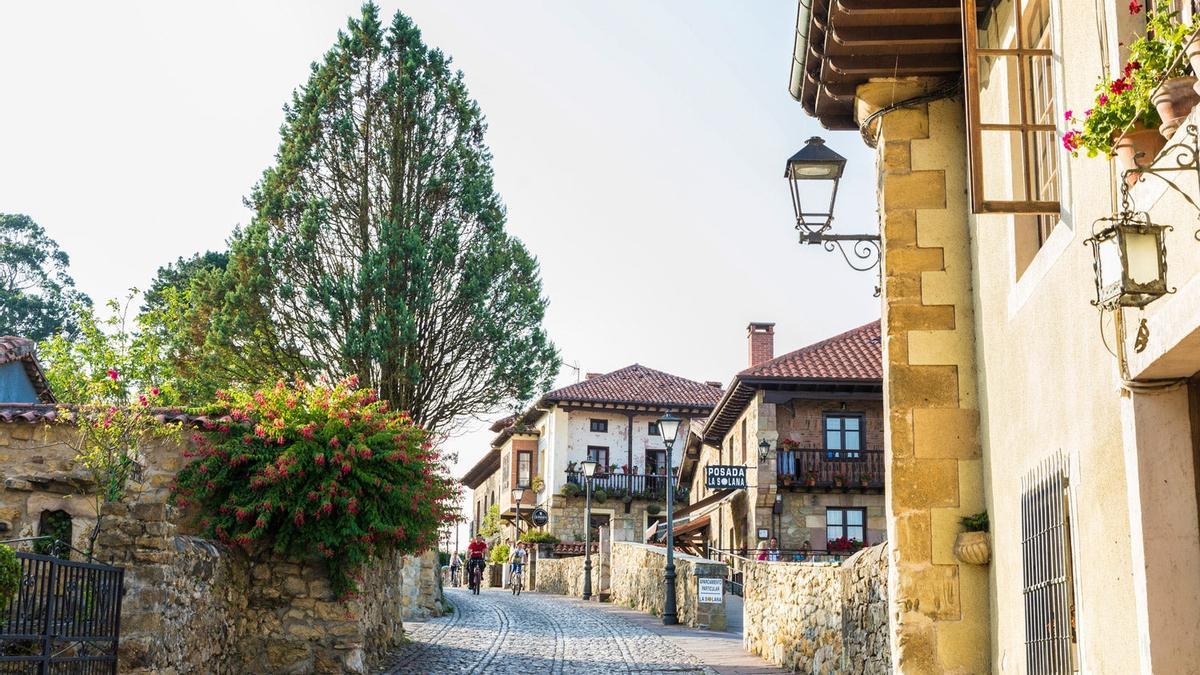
(378,247)
(36,293)
(323,470)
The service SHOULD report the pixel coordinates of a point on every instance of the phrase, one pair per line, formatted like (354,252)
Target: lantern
(1130,260)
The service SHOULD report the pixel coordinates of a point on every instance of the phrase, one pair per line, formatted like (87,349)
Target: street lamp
(1130,260)
(668,426)
(517,493)
(813,173)
(764,450)
(589,470)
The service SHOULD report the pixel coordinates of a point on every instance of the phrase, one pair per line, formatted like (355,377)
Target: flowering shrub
(324,470)
(843,545)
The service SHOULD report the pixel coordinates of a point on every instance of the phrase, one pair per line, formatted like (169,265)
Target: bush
(600,496)
(325,470)
(571,490)
(538,537)
(653,509)
(498,554)
(975,523)
(10,575)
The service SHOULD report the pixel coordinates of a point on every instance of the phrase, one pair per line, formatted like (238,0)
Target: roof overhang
(485,467)
(841,44)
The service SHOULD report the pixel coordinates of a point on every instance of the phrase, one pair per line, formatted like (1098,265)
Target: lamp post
(589,470)
(813,174)
(668,426)
(517,494)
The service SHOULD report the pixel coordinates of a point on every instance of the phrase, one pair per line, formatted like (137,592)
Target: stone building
(1005,388)
(808,428)
(609,418)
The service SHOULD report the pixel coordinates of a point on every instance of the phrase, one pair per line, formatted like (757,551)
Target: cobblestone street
(496,632)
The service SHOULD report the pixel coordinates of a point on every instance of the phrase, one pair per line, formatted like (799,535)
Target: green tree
(378,245)
(36,293)
(179,275)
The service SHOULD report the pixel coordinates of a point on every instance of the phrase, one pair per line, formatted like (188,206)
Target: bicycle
(476,578)
(516,581)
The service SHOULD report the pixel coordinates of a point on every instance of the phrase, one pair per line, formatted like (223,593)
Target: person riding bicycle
(476,555)
(455,566)
(516,559)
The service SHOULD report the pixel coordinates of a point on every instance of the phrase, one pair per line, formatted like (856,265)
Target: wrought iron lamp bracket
(1183,156)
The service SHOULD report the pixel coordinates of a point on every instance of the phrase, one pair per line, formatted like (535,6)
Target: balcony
(826,470)
(636,485)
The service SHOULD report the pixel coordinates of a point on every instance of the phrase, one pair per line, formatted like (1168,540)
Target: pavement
(496,632)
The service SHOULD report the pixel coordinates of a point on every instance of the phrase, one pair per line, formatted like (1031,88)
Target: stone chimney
(761,339)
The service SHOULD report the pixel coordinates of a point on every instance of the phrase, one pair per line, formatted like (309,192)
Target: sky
(639,148)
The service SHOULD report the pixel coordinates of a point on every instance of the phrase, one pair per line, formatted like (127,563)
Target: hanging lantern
(1130,260)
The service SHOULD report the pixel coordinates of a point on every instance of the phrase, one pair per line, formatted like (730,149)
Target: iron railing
(1047,568)
(65,616)
(830,469)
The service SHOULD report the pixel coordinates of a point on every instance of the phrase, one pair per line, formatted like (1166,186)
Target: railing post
(52,593)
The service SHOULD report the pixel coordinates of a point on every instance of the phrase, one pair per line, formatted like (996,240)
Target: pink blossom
(113,374)
(1134,7)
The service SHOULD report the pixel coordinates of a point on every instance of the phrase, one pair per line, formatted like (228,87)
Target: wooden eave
(743,390)
(485,467)
(846,43)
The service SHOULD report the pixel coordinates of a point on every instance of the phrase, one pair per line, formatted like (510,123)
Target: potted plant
(974,546)
(612,469)
(865,479)
(811,479)
(1158,69)
(653,509)
(1119,123)
(839,480)
(538,484)
(571,467)
(843,544)
(600,496)
(625,469)
(571,490)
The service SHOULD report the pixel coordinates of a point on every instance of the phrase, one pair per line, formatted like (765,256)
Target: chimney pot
(761,338)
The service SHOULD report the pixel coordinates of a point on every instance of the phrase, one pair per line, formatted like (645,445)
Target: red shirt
(475,549)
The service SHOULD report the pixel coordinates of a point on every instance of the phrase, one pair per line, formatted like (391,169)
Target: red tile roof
(37,413)
(638,384)
(854,355)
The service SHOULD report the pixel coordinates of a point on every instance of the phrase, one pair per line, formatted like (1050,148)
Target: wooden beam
(882,36)
(901,65)
(886,7)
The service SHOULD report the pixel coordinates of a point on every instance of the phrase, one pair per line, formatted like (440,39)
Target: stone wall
(191,605)
(563,576)
(638,582)
(819,617)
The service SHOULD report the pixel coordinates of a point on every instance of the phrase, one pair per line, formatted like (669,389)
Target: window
(524,469)
(656,462)
(843,435)
(599,425)
(1048,585)
(1011,113)
(653,429)
(599,455)
(846,522)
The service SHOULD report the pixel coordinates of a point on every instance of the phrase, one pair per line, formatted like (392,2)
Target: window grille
(1050,638)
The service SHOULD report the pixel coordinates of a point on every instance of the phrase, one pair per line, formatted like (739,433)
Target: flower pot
(1193,56)
(973,548)
(1174,99)
(1137,147)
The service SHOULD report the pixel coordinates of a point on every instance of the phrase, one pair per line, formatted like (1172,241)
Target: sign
(711,590)
(540,517)
(722,477)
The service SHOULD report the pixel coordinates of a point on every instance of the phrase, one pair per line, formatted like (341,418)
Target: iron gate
(64,619)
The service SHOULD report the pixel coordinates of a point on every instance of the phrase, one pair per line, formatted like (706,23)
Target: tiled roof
(566,548)
(854,355)
(36,413)
(638,384)
(14,348)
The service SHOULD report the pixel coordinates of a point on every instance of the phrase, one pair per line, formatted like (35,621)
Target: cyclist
(516,562)
(455,566)
(476,554)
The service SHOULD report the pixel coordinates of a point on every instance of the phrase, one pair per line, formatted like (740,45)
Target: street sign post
(540,517)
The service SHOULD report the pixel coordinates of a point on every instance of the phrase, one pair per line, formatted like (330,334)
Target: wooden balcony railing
(830,469)
(638,485)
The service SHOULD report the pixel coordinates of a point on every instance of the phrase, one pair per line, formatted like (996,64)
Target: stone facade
(194,606)
(562,576)
(819,617)
(638,582)
(628,522)
(933,454)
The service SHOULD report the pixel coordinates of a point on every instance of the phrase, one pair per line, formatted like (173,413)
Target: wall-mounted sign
(722,477)
(764,533)
(710,590)
(540,517)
